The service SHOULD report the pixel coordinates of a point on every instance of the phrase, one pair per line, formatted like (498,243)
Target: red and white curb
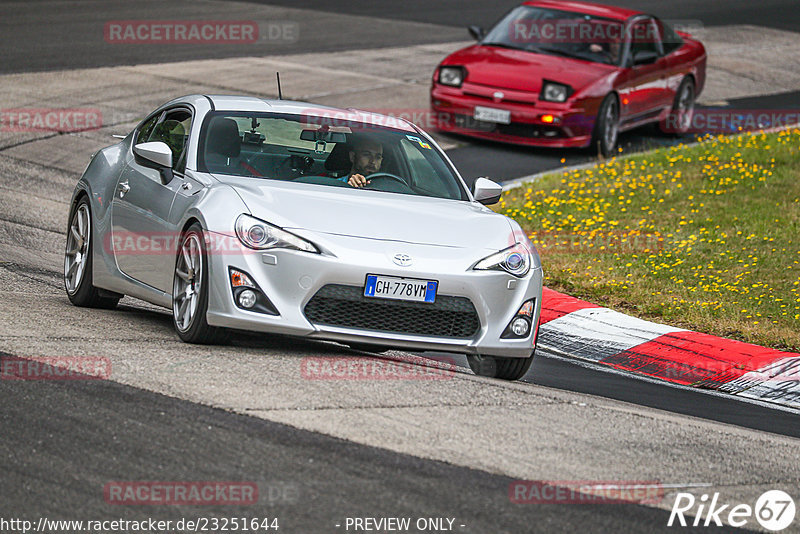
(577,329)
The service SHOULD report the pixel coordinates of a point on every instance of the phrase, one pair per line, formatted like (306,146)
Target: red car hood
(523,71)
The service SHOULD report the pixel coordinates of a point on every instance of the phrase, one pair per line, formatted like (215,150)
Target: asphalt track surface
(554,372)
(782,14)
(53,35)
(61,441)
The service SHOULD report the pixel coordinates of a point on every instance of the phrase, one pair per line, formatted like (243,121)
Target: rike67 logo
(774,510)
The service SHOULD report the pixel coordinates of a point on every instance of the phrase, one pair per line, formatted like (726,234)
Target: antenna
(280,95)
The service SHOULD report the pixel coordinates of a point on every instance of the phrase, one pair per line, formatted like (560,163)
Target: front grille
(516,129)
(346,306)
(529,130)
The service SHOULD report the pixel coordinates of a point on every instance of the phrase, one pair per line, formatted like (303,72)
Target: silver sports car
(290,218)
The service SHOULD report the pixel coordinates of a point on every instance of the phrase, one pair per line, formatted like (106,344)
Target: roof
(588,8)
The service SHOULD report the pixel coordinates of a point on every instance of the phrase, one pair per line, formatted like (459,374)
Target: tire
(606,126)
(680,117)
(78,261)
(502,368)
(190,291)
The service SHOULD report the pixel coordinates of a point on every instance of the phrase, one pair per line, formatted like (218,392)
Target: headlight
(555,92)
(451,76)
(515,260)
(257,234)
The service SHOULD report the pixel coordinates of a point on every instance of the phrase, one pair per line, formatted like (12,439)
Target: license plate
(394,287)
(503,116)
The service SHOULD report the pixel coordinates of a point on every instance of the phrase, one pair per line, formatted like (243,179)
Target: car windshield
(323,150)
(561,33)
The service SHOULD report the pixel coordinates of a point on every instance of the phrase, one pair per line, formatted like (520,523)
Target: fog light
(520,327)
(247,298)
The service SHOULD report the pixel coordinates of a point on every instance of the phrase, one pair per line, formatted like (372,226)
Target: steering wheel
(386,175)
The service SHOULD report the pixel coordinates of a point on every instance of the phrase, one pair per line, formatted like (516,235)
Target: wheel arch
(190,221)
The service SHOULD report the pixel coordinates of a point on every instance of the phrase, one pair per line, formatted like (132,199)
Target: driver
(366,157)
(608,49)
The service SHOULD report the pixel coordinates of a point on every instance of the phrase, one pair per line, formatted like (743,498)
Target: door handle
(123,188)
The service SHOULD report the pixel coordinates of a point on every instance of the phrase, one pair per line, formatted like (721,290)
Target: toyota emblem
(403,260)
(498,96)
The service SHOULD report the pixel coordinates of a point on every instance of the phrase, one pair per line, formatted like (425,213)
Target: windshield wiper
(503,45)
(557,52)
(538,49)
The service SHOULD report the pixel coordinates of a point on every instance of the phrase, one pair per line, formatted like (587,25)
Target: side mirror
(476,32)
(644,57)
(157,155)
(486,191)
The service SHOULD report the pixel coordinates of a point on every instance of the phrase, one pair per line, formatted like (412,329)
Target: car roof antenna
(280,95)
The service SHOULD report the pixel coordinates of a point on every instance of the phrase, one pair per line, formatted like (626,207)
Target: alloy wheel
(188,279)
(76,255)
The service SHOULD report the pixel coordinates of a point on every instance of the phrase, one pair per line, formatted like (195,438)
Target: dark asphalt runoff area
(780,14)
(53,35)
(63,441)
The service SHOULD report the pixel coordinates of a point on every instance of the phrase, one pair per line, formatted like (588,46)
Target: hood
(373,214)
(519,70)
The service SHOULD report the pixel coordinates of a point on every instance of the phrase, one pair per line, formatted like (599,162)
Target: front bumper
(291,278)
(453,111)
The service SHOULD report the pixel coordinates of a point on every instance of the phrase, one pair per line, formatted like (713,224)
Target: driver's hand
(357,180)
(595,48)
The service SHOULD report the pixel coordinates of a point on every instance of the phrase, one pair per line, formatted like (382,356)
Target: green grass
(705,237)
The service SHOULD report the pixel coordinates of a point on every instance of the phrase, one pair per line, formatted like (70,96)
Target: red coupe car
(569,74)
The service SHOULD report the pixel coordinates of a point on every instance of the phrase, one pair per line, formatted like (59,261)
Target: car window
(146,129)
(561,33)
(254,134)
(644,37)
(670,40)
(423,170)
(320,151)
(174,131)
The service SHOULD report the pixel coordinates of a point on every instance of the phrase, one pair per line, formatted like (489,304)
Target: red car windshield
(562,33)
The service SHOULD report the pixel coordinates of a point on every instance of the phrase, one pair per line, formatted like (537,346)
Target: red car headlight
(555,92)
(452,76)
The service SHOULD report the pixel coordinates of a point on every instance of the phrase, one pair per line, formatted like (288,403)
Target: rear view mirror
(486,191)
(319,135)
(476,32)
